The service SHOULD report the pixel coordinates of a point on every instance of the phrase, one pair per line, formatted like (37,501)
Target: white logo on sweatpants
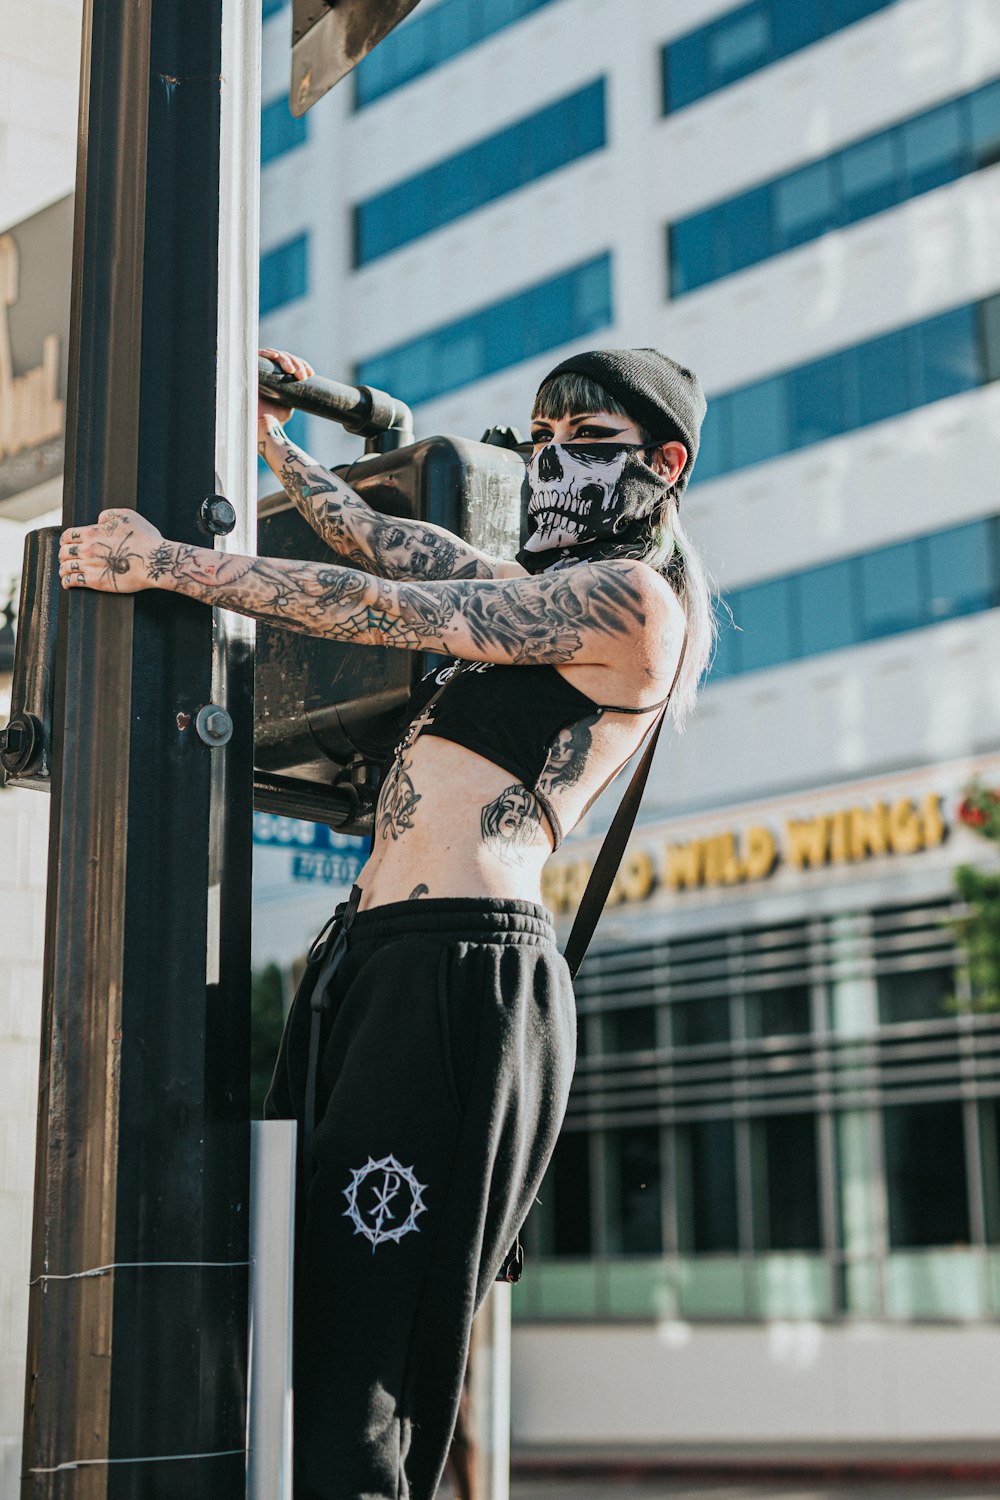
(383,1200)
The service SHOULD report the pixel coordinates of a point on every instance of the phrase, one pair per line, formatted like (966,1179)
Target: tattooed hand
(117,556)
(269,409)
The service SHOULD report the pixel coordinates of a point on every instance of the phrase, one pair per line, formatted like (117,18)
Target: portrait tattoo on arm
(389,546)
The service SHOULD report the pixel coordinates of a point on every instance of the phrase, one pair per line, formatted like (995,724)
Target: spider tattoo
(118,559)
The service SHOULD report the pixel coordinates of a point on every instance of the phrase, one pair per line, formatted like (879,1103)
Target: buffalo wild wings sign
(35,267)
(732,857)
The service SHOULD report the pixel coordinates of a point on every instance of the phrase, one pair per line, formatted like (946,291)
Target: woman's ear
(669,460)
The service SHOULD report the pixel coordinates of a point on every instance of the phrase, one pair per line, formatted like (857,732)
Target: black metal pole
(137,1324)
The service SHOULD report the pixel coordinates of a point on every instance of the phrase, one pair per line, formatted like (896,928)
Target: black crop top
(511,716)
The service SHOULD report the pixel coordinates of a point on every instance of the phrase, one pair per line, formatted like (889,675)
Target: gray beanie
(652,388)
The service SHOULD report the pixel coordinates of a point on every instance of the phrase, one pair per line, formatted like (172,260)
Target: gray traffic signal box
(328,714)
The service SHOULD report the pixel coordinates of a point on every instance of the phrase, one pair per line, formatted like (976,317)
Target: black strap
(610,854)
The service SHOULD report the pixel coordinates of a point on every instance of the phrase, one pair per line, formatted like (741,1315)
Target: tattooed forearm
(385,545)
(566,617)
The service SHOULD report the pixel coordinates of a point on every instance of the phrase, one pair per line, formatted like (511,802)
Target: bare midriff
(452,823)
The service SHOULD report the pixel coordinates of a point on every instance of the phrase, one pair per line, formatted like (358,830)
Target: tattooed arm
(593,613)
(389,546)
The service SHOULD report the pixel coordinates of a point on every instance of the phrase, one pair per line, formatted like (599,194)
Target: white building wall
(792,1384)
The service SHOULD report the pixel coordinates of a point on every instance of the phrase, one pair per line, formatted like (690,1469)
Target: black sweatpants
(444,1071)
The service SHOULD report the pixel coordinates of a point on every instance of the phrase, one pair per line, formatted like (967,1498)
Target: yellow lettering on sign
(840,837)
(30,410)
(685,865)
(869,830)
(563,885)
(636,877)
(905,832)
(760,853)
(807,842)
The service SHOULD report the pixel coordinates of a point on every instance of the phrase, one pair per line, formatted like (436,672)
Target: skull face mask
(590,495)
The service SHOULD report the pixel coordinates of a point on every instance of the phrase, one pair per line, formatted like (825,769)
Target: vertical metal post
(489,1395)
(269,1416)
(137,1319)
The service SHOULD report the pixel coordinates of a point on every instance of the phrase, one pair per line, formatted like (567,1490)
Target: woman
(449,1028)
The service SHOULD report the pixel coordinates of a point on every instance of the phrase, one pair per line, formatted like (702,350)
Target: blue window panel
(725,662)
(805,205)
(795,25)
(865,178)
(759,417)
(948,357)
(943,356)
(893,597)
(740,43)
(284,274)
(692,253)
(685,71)
(828,611)
(962,568)
(864,598)
(984,125)
(431,38)
(551,138)
(880,375)
(750,38)
(870,176)
(576,303)
(764,616)
(271,7)
(744,233)
(280,131)
(816,399)
(714,450)
(934,149)
(988,322)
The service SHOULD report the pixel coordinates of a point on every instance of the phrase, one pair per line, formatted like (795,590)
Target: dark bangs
(569,394)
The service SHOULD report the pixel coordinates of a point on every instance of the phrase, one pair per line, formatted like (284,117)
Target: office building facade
(774,1214)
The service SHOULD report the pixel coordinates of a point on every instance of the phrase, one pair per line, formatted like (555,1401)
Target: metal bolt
(19,743)
(214,725)
(216,515)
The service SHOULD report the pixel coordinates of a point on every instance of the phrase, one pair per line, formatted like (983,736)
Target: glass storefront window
(707,1213)
(565,1197)
(989,1152)
(915,995)
(630,1030)
(634,1208)
(780,1012)
(699,1023)
(785,1176)
(926,1177)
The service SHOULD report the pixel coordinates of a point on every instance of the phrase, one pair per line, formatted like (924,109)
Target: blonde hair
(672,552)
